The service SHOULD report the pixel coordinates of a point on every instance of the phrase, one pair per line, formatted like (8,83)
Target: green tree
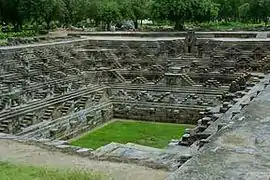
(205,10)
(179,11)
(94,11)
(76,10)
(260,10)
(10,12)
(40,11)
(135,10)
(109,12)
(243,11)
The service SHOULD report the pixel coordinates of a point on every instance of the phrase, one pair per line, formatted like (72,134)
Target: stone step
(3,129)
(143,148)
(80,103)
(24,125)
(48,112)
(35,105)
(64,112)
(30,114)
(3,125)
(51,108)
(84,98)
(6,121)
(68,104)
(143,155)
(262,35)
(65,108)
(27,118)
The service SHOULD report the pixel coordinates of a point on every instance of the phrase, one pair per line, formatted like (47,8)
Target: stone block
(84,151)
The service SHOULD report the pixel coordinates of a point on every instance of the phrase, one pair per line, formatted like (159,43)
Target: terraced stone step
(4,126)
(118,76)
(30,107)
(189,89)
(66,107)
(27,121)
(159,79)
(143,155)
(43,128)
(98,96)
(165,105)
(113,57)
(47,115)
(187,79)
(81,103)
(37,86)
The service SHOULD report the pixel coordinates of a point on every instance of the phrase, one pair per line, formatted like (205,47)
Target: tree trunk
(20,26)
(179,24)
(48,25)
(36,22)
(15,26)
(136,24)
(108,26)
(97,23)
(265,22)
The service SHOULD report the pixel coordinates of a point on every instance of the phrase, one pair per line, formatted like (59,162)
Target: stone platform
(240,150)
(213,34)
(143,155)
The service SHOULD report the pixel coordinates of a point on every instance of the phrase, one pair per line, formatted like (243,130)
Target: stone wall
(45,87)
(169,80)
(71,126)
(176,105)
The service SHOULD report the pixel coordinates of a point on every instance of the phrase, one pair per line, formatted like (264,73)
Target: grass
(225,26)
(144,133)
(21,172)
(3,42)
(17,34)
(209,26)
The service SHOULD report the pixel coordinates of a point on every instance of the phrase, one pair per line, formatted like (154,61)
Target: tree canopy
(71,12)
(184,10)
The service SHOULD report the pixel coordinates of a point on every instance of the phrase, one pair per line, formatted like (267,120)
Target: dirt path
(32,155)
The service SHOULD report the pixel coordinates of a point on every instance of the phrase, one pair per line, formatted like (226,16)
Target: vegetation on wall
(41,13)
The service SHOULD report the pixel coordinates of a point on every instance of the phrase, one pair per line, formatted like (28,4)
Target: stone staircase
(98,96)
(39,95)
(188,57)
(184,59)
(114,58)
(159,79)
(47,115)
(118,76)
(262,35)
(67,106)
(58,91)
(27,120)
(4,103)
(13,71)
(4,126)
(186,78)
(37,66)
(37,79)
(81,103)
